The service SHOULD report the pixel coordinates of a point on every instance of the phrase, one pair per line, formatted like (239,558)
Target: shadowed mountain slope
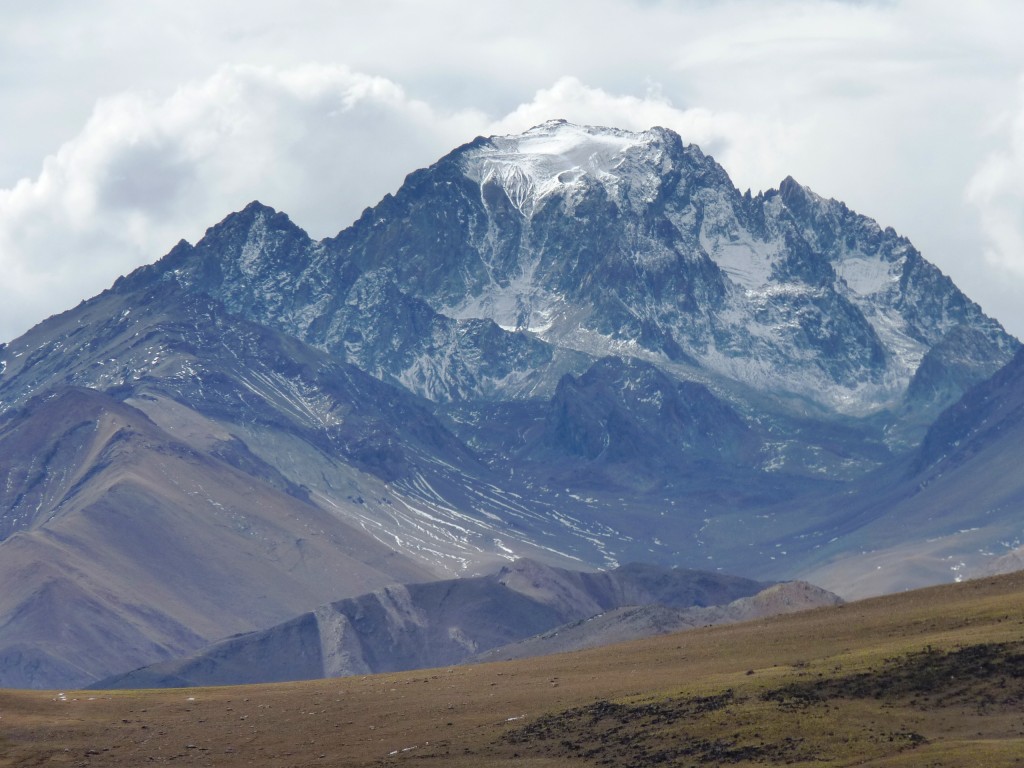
(952,507)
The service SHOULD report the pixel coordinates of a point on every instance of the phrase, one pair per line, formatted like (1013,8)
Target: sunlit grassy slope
(927,678)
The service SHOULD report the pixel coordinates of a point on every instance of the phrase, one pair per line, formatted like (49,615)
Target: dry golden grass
(812,689)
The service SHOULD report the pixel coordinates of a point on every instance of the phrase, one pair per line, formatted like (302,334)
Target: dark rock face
(621,411)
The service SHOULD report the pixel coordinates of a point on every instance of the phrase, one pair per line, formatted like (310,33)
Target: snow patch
(550,157)
(865,275)
(748,264)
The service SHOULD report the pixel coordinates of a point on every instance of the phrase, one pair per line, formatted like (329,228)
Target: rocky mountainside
(513,260)
(432,625)
(580,345)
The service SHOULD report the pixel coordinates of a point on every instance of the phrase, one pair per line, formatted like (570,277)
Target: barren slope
(172,547)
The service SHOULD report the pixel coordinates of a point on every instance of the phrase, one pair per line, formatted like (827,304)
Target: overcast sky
(128,126)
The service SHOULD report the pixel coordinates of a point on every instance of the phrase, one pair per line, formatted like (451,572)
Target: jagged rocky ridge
(595,241)
(576,344)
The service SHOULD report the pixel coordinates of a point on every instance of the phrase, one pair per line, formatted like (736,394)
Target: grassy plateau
(933,677)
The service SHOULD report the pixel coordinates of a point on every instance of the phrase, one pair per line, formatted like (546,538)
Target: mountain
(125,540)
(136,502)
(432,625)
(579,345)
(516,258)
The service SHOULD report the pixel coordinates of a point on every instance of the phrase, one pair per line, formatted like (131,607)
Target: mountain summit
(581,345)
(581,242)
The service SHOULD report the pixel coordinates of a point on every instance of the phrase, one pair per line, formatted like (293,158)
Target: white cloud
(317,142)
(997,192)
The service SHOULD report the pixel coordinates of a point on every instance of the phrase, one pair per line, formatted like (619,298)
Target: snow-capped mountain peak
(516,259)
(551,157)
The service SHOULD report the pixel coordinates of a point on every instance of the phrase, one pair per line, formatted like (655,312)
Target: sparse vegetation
(986,677)
(810,721)
(930,678)
(982,679)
